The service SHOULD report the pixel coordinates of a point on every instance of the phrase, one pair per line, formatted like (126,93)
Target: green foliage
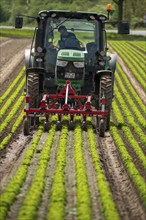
(4,14)
(82,188)
(58,193)
(129,59)
(11,87)
(10,8)
(22,33)
(13,188)
(129,164)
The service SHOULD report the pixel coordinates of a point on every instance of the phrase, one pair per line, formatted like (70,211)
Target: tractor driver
(67,39)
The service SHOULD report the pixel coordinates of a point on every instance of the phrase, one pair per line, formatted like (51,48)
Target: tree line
(132,11)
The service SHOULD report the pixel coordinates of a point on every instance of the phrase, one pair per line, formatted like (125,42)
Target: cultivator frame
(49,106)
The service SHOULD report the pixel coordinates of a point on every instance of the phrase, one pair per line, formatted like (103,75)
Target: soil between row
(120,183)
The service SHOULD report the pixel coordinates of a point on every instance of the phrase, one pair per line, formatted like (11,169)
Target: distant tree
(4,14)
(120,9)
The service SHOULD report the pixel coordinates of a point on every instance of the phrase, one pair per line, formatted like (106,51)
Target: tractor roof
(70,14)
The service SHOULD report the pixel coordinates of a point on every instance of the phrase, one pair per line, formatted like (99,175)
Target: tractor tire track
(42,210)
(10,158)
(92,180)
(14,210)
(121,186)
(70,179)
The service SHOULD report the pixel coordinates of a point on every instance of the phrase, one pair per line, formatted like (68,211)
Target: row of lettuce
(133,58)
(57,200)
(128,114)
(11,103)
(128,118)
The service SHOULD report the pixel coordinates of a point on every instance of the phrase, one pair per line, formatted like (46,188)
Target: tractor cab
(74,57)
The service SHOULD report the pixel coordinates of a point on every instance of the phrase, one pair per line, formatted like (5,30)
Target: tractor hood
(70,55)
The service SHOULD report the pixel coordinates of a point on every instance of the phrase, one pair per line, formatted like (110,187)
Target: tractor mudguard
(104,72)
(38,70)
(100,73)
(113,62)
(98,76)
(28,59)
(113,68)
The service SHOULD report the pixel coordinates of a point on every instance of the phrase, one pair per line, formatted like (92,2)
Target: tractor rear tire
(33,89)
(106,90)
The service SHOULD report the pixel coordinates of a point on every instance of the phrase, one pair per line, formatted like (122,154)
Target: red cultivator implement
(67,102)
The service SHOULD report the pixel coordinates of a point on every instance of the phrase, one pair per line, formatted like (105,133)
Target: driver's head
(62,29)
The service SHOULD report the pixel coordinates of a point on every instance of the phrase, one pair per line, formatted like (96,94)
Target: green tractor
(77,59)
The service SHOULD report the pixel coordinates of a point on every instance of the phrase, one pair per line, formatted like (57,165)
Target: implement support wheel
(46,126)
(101,128)
(26,128)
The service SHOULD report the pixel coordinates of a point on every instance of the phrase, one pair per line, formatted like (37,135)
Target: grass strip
(16,33)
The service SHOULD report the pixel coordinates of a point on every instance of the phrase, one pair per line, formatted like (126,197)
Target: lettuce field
(74,175)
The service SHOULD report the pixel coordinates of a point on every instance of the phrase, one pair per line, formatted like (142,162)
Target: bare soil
(122,188)
(11,60)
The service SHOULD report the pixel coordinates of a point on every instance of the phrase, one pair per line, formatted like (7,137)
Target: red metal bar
(43,105)
(70,111)
(66,93)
